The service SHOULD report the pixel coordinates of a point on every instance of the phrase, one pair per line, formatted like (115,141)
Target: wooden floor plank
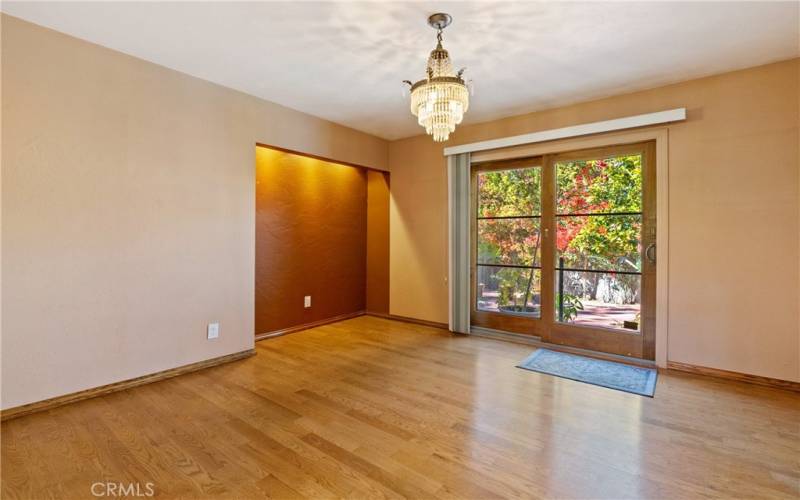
(374,408)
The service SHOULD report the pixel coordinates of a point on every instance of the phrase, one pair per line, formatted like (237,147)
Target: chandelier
(440,100)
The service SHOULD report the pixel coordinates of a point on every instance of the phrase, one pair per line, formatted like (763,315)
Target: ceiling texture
(344,61)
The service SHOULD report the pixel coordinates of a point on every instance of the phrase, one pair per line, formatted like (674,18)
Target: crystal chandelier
(440,100)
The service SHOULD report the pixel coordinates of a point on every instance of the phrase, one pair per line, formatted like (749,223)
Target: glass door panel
(601,261)
(599,241)
(508,247)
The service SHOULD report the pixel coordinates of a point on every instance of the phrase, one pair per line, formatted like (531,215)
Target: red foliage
(567,231)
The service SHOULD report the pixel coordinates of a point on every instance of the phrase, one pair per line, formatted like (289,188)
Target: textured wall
(734,263)
(311,239)
(378,242)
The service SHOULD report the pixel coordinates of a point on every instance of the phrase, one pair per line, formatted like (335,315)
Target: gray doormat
(619,376)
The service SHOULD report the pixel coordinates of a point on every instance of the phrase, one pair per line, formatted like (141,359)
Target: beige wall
(733,215)
(128,211)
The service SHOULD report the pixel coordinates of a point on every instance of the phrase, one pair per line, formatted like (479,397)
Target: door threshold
(491,333)
(535,341)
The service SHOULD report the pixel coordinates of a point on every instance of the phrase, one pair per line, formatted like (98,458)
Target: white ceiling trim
(659,117)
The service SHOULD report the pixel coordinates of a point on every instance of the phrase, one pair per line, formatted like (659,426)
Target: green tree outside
(608,242)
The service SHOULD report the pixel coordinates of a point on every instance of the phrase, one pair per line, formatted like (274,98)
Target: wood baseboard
(57,401)
(306,326)
(729,375)
(406,319)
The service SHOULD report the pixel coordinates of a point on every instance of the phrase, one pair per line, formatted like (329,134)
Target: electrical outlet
(307,301)
(213,330)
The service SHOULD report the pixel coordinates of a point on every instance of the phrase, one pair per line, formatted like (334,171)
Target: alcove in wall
(322,231)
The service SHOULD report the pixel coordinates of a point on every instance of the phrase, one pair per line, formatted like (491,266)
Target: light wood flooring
(372,408)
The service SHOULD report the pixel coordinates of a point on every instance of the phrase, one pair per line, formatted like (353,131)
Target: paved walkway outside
(594,313)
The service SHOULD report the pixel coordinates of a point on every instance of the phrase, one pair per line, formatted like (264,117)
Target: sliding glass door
(565,248)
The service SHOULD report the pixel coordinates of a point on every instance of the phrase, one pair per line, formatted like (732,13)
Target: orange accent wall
(377,242)
(322,229)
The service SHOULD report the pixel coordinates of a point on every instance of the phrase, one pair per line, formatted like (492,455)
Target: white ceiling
(344,61)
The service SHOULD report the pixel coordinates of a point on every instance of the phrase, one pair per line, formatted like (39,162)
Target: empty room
(456,250)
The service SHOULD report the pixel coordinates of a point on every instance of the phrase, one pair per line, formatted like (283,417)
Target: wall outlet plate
(307,301)
(213,330)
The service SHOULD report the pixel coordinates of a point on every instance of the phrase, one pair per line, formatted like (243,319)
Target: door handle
(650,252)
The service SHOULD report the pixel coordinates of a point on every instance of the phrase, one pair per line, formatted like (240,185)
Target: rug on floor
(619,376)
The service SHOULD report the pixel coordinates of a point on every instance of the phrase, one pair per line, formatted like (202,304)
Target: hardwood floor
(371,407)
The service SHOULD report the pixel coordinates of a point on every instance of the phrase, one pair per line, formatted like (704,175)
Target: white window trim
(657,118)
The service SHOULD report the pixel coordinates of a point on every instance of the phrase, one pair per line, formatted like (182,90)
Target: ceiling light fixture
(440,100)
